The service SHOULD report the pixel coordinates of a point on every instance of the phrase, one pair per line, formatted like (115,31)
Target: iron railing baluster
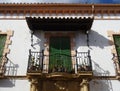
(82,60)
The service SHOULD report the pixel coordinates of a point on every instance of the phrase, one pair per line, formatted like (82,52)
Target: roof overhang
(54,8)
(59,24)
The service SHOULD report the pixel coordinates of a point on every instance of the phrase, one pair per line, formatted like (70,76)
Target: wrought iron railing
(35,62)
(83,60)
(3,61)
(60,63)
(80,62)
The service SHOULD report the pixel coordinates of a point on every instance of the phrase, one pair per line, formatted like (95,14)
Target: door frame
(47,36)
(58,61)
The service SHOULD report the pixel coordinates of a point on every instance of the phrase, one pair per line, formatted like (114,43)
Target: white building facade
(38,28)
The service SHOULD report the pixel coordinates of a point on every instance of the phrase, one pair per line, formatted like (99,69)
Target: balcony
(3,60)
(38,65)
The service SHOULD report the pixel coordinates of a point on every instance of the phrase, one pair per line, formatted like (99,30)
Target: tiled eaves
(113,50)
(6,50)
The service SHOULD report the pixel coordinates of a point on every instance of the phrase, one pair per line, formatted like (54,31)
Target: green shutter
(117,45)
(60,53)
(2,44)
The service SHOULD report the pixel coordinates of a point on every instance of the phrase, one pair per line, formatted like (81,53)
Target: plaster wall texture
(14,85)
(104,85)
(99,47)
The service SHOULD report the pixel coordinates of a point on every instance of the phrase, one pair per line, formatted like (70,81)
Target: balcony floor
(61,75)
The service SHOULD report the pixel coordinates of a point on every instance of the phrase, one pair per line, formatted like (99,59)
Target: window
(4,49)
(117,45)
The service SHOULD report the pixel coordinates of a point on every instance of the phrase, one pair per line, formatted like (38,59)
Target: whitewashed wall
(14,85)
(101,55)
(20,43)
(104,85)
(99,47)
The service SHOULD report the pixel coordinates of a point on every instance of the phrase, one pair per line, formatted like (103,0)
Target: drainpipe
(31,37)
(87,32)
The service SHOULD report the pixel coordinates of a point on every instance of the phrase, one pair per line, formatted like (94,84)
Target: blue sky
(60,1)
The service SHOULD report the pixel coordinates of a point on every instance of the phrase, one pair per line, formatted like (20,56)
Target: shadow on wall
(97,85)
(7,83)
(95,39)
(37,40)
(11,70)
(101,85)
(98,71)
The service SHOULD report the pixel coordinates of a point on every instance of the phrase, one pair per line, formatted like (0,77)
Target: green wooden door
(60,54)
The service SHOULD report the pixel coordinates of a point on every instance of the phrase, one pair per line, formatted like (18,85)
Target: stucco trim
(113,50)
(24,8)
(6,50)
